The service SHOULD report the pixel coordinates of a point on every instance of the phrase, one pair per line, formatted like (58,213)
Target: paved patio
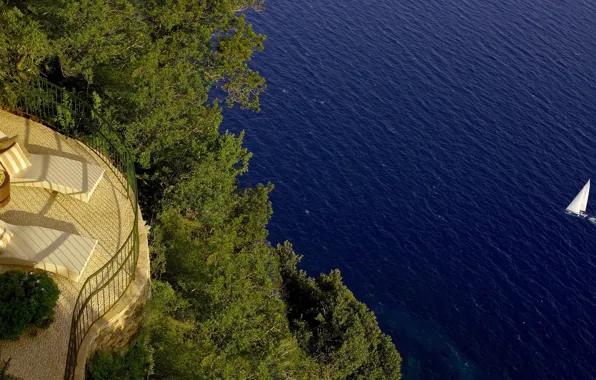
(108,217)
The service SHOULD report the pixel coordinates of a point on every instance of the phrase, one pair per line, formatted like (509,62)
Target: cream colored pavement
(107,217)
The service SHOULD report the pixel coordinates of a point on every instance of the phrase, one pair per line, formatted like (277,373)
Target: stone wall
(119,332)
(115,330)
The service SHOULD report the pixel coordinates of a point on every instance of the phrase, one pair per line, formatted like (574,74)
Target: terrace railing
(69,114)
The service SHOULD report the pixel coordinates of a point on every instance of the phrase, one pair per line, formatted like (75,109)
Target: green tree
(221,299)
(160,68)
(335,328)
(225,303)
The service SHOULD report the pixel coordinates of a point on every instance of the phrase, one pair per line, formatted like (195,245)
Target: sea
(428,149)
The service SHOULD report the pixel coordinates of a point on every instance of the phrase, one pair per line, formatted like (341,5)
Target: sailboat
(579,203)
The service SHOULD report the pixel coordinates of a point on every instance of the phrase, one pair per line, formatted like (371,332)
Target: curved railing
(72,116)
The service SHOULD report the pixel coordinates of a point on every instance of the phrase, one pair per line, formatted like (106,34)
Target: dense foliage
(225,304)
(26,298)
(135,362)
(159,68)
(333,327)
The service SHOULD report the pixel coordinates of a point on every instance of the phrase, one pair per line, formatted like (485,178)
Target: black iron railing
(74,117)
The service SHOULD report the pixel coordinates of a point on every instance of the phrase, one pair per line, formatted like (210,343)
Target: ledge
(117,313)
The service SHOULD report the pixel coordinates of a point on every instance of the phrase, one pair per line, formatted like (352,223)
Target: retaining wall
(115,329)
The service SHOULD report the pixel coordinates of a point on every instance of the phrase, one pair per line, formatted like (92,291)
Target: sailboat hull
(580,215)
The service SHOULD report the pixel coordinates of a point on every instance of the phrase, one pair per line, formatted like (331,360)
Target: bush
(135,362)
(26,298)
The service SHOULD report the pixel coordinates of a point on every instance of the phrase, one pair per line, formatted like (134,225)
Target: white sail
(579,203)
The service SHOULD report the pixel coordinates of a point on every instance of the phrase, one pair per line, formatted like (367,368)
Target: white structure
(580,202)
(51,250)
(78,179)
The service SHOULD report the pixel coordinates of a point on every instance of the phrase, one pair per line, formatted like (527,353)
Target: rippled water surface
(428,150)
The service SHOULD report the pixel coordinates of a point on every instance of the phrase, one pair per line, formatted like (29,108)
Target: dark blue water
(428,150)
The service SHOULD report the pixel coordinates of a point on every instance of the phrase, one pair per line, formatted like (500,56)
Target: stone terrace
(108,217)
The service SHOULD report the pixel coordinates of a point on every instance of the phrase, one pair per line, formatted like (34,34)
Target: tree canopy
(226,304)
(159,69)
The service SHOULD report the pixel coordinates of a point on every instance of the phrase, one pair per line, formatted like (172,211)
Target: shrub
(26,298)
(134,362)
